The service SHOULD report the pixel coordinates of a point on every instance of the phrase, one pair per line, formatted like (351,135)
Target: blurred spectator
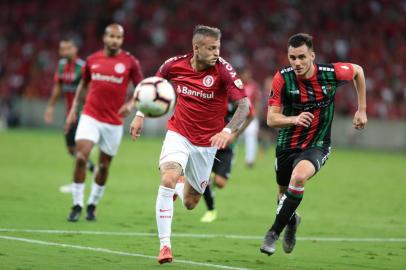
(372,33)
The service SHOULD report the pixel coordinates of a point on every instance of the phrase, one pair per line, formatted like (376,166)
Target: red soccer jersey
(201,97)
(109,77)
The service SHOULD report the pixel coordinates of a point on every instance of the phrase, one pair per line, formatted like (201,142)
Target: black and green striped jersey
(315,95)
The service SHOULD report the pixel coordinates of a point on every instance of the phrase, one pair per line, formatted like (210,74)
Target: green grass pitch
(359,197)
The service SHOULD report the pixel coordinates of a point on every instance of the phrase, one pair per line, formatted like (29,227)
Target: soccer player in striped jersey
(66,80)
(301,104)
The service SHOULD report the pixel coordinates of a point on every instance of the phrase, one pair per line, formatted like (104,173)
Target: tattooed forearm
(240,114)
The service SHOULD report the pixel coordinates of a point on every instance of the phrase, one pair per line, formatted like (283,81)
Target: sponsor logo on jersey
(344,67)
(239,84)
(186,91)
(119,68)
(228,67)
(208,81)
(107,78)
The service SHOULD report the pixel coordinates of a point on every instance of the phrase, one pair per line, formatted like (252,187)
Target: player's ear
(313,55)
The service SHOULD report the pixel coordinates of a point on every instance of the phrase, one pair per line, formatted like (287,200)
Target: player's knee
(298,179)
(220,181)
(103,168)
(168,179)
(190,204)
(81,159)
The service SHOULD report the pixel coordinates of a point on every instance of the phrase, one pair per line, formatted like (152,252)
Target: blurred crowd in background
(371,33)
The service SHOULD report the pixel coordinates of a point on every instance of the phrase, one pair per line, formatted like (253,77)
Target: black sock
(90,166)
(286,211)
(292,220)
(208,198)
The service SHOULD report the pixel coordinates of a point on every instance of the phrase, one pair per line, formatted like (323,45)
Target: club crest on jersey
(239,84)
(208,81)
(119,68)
(204,184)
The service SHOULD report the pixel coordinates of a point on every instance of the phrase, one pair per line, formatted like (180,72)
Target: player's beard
(113,50)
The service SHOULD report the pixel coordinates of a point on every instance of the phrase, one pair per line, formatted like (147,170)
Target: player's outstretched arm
(49,111)
(79,97)
(360,117)
(136,125)
(276,119)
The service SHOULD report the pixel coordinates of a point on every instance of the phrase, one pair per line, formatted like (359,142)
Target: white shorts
(196,161)
(107,136)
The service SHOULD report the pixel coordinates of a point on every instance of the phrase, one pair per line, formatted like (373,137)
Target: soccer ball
(154,97)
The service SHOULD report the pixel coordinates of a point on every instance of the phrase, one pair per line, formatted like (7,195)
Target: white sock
(96,193)
(179,190)
(164,214)
(78,190)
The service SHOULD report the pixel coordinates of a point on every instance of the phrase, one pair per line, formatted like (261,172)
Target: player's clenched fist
(304,119)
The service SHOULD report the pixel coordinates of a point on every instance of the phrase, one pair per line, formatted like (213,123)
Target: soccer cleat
(91,208)
(268,247)
(209,216)
(165,255)
(75,213)
(289,237)
(66,188)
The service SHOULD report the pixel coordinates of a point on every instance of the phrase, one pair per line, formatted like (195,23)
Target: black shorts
(222,162)
(286,160)
(70,136)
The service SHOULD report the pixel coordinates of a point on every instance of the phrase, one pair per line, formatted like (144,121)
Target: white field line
(109,251)
(187,235)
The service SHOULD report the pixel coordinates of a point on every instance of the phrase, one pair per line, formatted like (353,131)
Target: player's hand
(136,126)
(221,139)
(360,120)
(304,119)
(126,109)
(70,120)
(49,115)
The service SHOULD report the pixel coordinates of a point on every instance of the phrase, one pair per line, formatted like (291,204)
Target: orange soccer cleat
(165,255)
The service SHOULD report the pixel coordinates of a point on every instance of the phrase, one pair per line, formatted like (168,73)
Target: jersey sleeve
(86,71)
(233,84)
(136,71)
(164,69)
(57,78)
(344,71)
(275,91)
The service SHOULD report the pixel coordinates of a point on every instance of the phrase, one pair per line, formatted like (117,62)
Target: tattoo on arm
(240,114)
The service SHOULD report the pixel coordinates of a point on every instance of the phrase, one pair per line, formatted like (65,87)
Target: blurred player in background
(203,81)
(222,164)
(66,80)
(251,132)
(301,104)
(107,74)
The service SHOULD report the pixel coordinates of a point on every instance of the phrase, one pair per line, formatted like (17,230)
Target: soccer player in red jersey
(301,104)
(66,80)
(203,81)
(107,74)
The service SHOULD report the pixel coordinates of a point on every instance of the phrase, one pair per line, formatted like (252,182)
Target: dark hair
(300,39)
(69,39)
(207,31)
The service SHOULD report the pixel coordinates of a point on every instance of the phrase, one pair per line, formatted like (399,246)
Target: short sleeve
(275,91)
(344,71)
(163,70)
(233,84)
(136,72)
(86,71)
